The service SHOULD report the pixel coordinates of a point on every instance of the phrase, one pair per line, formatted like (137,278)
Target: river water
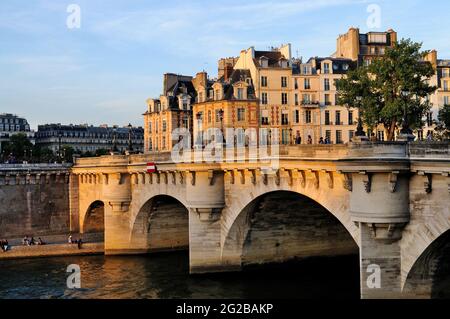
(166,276)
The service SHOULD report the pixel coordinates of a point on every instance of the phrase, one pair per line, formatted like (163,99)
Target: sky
(103,71)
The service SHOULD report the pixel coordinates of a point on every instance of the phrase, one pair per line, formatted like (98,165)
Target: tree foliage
(381,86)
(443,125)
(17,149)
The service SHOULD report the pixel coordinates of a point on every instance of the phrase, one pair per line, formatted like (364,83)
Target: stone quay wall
(34,199)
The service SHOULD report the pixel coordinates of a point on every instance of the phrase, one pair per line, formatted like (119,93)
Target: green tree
(101,152)
(392,85)
(67,153)
(443,125)
(19,146)
(355,91)
(88,154)
(43,154)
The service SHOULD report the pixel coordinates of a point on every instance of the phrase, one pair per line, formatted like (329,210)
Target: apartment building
(271,73)
(364,47)
(441,97)
(270,89)
(10,125)
(228,102)
(89,138)
(306,121)
(173,109)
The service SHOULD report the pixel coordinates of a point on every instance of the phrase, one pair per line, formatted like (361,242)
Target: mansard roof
(273,57)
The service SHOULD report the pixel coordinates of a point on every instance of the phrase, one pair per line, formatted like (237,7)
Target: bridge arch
(161,223)
(93,219)
(279,225)
(429,277)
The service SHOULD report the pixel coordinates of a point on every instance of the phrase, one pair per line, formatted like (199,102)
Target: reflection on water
(166,276)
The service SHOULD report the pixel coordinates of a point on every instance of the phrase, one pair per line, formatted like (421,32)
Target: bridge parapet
(429,150)
(17,174)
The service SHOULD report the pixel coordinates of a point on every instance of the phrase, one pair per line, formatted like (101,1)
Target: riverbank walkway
(55,246)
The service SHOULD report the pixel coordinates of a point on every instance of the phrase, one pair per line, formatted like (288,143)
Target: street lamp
(221,114)
(114,149)
(130,141)
(59,145)
(199,117)
(360,129)
(405,124)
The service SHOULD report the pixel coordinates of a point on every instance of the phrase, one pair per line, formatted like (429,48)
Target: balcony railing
(310,103)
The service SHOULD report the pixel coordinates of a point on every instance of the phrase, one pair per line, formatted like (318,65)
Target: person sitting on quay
(4,245)
(25,241)
(80,243)
(32,242)
(40,242)
(70,239)
(321,141)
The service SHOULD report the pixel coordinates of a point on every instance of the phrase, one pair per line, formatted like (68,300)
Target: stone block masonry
(34,200)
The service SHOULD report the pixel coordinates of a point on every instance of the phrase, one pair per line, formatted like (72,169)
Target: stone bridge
(386,202)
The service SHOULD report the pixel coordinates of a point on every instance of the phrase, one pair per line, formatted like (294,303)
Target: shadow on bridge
(162,224)
(430,275)
(94,222)
(282,226)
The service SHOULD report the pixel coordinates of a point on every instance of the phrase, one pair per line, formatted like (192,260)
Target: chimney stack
(227,72)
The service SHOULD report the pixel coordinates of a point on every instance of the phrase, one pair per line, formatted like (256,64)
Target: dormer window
(184,101)
(240,93)
(326,68)
(283,63)
(218,91)
(264,62)
(306,70)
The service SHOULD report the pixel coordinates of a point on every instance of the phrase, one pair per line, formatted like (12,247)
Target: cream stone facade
(297,98)
(271,73)
(173,110)
(441,80)
(229,102)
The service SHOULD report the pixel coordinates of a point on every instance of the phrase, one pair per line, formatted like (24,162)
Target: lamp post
(59,145)
(130,141)
(114,141)
(360,129)
(199,116)
(221,113)
(406,134)
(405,123)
